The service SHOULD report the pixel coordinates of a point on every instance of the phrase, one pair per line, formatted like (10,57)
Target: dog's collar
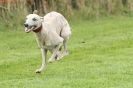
(38,29)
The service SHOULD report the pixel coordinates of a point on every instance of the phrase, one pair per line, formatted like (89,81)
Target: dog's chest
(44,41)
(50,38)
(41,39)
(45,44)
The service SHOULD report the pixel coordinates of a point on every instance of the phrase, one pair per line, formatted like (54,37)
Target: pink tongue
(27,30)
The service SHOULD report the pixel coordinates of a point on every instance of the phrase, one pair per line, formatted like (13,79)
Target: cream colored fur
(54,34)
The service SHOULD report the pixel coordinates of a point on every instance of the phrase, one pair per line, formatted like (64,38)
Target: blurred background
(12,12)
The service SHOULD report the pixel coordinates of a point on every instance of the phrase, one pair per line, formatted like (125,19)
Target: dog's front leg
(44,55)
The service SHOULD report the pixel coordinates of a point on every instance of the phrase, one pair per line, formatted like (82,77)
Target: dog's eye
(34,19)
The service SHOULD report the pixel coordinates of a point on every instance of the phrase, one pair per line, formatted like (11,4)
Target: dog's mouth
(29,28)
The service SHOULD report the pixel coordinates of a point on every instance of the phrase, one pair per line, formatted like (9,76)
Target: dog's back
(58,22)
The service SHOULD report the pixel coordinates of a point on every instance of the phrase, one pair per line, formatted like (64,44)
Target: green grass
(101,56)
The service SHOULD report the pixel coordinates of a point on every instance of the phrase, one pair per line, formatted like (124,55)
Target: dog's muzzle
(29,28)
(26,25)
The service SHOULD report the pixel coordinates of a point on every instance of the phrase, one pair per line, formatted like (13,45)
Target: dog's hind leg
(65,51)
(44,56)
(55,54)
(65,34)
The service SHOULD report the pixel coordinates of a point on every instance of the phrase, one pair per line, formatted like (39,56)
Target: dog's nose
(26,25)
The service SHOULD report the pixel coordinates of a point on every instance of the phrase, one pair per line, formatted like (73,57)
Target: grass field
(101,56)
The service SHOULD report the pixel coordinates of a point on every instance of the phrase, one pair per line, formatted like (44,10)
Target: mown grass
(101,56)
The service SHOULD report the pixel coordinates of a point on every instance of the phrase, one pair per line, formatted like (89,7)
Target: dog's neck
(38,29)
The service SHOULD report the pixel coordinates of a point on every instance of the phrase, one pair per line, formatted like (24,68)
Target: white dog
(52,32)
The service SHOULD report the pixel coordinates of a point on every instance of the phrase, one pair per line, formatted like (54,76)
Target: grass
(101,56)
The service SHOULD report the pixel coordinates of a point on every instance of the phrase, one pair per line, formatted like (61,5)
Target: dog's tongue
(28,30)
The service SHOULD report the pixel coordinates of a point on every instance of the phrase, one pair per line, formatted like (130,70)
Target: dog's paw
(58,55)
(38,71)
(51,60)
(62,55)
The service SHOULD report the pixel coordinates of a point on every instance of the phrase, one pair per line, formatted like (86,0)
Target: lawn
(101,56)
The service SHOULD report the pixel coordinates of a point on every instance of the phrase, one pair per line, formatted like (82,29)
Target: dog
(52,33)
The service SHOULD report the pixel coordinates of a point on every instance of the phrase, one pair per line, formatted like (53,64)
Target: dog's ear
(35,12)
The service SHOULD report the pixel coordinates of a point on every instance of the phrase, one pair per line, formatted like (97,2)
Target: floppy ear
(35,12)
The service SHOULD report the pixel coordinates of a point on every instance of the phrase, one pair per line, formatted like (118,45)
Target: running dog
(52,33)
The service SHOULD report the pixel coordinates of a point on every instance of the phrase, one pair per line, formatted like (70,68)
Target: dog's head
(32,22)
